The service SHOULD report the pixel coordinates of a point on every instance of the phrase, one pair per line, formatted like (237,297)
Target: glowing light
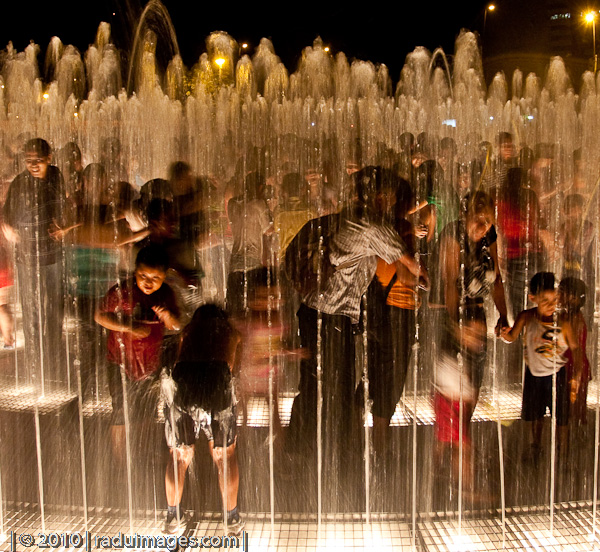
(46,96)
(491,118)
(459,543)
(76,114)
(590,16)
(326,48)
(244,45)
(220,61)
(449,122)
(491,7)
(530,117)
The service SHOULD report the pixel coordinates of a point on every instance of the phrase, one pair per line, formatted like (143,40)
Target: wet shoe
(235,528)
(174,526)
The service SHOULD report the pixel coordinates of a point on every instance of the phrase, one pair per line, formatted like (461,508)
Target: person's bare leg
(467,465)
(233,474)
(7,326)
(174,485)
(118,443)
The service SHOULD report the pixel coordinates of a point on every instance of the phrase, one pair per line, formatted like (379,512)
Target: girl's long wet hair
(208,335)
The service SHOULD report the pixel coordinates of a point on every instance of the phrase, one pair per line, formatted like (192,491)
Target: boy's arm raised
(510,334)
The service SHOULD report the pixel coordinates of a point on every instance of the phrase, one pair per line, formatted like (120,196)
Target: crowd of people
(421,242)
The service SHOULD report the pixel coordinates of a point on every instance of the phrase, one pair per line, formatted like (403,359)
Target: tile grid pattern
(506,405)
(574,530)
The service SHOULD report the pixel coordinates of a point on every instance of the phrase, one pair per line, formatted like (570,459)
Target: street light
(590,17)
(488,8)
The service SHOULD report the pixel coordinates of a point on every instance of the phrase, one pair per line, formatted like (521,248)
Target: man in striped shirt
(362,238)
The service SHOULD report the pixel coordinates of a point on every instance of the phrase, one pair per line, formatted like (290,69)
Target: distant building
(526,35)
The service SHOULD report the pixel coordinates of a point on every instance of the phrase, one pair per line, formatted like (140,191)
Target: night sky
(376,31)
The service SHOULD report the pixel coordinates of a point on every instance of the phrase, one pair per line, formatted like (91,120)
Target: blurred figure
(184,274)
(293,211)
(34,220)
(328,318)
(580,177)
(522,239)
(454,401)
(189,196)
(506,150)
(577,241)
(111,159)
(392,302)
(572,296)
(470,272)
(447,158)
(289,218)
(576,235)
(250,220)
(434,205)
(70,164)
(264,350)
(7,322)
(92,264)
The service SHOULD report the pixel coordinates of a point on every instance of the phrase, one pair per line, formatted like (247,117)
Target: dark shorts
(537,397)
(183,428)
(142,397)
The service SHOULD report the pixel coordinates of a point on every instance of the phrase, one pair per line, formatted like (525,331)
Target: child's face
(546,302)
(149,279)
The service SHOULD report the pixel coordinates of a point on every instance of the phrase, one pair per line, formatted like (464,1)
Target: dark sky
(377,31)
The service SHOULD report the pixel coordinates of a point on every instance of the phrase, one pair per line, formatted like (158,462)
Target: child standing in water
(203,401)
(572,299)
(137,311)
(546,347)
(454,400)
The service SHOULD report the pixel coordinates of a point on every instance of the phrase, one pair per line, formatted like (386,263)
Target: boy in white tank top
(545,346)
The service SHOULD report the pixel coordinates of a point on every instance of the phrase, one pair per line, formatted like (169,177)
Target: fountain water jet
(318,121)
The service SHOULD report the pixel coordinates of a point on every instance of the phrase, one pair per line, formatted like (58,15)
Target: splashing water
(231,115)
